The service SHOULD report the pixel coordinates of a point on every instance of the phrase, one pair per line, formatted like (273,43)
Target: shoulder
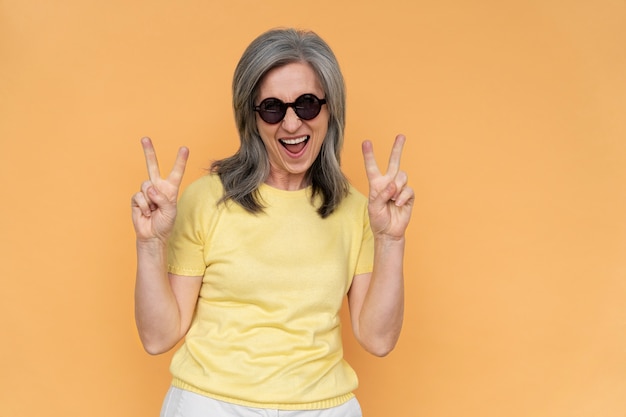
(207,185)
(206,190)
(354,202)
(355,197)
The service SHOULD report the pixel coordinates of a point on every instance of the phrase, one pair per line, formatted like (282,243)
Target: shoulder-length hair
(243,173)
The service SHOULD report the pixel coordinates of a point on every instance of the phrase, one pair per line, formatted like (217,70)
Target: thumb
(385,195)
(158,198)
(389,192)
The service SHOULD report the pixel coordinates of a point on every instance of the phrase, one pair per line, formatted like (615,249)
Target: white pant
(182,403)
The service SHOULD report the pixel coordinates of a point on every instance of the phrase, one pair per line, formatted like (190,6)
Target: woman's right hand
(154,207)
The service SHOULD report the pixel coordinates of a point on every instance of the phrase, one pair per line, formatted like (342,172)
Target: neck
(287,182)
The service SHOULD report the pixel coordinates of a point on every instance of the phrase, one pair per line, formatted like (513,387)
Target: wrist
(389,244)
(152,245)
(388,239)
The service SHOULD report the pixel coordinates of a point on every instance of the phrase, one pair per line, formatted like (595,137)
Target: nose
(291,122)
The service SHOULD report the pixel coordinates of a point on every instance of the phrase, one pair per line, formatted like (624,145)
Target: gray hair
(244,172)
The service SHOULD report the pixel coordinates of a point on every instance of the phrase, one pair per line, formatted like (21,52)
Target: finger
(145,186)
(406,196)
(176,175)
(401,179)
(151,159)
(139,201)
(371,168)
(396,154)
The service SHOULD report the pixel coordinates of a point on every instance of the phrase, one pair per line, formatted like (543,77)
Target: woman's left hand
(390,198)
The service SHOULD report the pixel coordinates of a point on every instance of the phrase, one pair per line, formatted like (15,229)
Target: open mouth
(295,145)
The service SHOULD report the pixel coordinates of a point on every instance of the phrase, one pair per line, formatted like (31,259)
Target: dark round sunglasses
(273,110)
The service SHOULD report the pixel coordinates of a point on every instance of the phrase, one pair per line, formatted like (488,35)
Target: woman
(250,267)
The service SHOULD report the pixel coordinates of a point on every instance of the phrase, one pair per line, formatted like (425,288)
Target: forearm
(378,303)
(381,316)
(156,310)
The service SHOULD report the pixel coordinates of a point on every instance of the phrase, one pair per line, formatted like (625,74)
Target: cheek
(321,131)
(266,133)
(320,125)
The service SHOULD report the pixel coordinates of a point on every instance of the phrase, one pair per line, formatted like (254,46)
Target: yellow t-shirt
(266,332)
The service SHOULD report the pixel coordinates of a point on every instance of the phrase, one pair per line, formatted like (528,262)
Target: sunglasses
(307,107)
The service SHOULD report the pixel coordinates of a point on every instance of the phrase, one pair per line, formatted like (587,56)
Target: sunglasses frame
(284,106)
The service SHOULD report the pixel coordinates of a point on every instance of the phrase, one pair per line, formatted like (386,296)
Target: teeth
(294,141)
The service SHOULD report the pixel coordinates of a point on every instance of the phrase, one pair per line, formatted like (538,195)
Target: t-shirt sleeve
(187,241)
(365,262)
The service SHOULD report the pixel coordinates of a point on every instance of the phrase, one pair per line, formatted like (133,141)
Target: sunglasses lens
(307,107)
(272,110)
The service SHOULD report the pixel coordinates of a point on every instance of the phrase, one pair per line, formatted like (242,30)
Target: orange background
(515,119)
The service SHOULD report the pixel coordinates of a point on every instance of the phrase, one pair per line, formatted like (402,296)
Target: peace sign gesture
(154,207)
(390,198)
